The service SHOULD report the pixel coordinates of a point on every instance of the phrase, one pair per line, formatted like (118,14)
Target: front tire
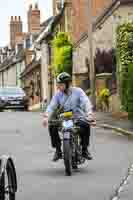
(67,157)
(6,182)
(26,108)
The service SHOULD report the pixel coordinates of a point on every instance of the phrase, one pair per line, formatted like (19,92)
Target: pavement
(123,126)
(123,191)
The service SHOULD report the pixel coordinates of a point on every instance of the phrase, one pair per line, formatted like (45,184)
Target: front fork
(74,143)
(67,135)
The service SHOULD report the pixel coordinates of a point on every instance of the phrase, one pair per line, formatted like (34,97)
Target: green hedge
(125,65)
(130,91)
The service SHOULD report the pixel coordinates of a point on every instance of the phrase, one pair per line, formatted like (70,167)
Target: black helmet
(63,78)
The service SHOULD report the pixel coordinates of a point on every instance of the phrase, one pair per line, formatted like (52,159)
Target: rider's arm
(52,106)
(85,102)
(86,105)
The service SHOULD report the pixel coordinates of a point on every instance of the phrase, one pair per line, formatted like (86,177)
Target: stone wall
(114,103)
(104,38)
(31,85)
(80,54)
(9,76)
(79,78)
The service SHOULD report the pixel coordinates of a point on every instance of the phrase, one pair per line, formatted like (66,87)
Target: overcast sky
(19,8)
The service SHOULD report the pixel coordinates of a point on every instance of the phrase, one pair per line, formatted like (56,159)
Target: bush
(130,91)
(104,93)
(62,53)
(103,98)
(125,65)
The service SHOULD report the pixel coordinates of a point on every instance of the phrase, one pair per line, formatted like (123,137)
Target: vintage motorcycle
(71,145)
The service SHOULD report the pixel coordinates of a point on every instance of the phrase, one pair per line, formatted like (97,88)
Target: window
(20,47)
(87,65)
(28,43)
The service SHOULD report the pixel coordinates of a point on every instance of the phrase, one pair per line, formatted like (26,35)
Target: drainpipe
(90,43)
(44,72)
(2,79)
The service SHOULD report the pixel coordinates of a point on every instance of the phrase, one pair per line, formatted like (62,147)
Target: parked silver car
(13,98)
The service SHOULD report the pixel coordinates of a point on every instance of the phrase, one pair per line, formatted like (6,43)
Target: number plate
(14,102)
(66,135)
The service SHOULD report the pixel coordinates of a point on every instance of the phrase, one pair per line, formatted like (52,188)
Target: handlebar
(76,121)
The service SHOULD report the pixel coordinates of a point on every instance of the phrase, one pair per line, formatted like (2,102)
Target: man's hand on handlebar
(92,119)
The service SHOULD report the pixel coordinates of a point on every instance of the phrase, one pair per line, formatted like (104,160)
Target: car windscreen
(11,91)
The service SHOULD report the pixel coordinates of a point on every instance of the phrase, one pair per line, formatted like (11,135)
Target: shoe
(57,156)
(74,166)
(86,154)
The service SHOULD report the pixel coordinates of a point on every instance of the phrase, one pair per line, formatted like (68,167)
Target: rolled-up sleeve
(85,102)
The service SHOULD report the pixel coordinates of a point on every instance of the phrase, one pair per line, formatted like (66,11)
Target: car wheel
(26,108)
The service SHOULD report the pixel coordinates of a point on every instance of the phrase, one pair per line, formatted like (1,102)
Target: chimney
(16,27)
(33,19)
(57,4)
(36,6)
(30,7)
(11,18)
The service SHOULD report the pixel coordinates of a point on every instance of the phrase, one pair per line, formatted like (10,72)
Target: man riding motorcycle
(72,99)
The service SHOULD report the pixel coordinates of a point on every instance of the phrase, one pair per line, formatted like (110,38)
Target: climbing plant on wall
(125,65)
(62,53)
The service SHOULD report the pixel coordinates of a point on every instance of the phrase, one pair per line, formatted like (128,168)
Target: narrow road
(23,137)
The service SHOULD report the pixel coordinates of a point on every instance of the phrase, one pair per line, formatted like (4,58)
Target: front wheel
(6,192)
(67,157)
(8,182)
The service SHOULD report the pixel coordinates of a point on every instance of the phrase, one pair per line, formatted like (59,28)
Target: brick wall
(80,16)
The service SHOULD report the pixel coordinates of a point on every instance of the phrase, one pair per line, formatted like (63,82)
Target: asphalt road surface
(26,141)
